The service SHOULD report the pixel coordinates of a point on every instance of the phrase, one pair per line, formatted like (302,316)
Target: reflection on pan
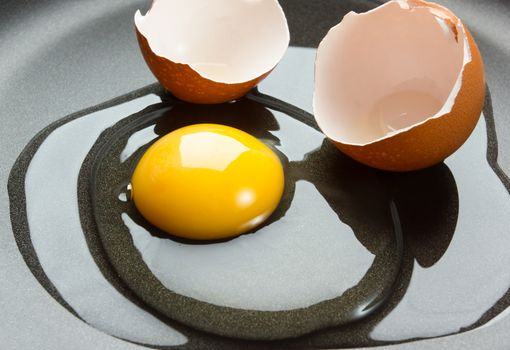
(302,263)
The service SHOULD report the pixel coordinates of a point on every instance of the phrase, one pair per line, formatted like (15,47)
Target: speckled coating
(83,33)
(437,182)
(186,84)
(103,172)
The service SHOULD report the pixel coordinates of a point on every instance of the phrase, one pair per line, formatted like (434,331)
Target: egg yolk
(207,181)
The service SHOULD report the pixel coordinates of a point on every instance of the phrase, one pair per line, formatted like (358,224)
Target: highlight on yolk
(207,181)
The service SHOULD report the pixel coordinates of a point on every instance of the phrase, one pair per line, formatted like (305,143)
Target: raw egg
(207,181)
(400,87)
(212,51)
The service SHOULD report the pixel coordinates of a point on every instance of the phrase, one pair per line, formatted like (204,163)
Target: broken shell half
(400,87)
(212,51)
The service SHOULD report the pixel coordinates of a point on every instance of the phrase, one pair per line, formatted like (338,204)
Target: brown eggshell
(212,51)
(186,84)
(431,142)
(350,80)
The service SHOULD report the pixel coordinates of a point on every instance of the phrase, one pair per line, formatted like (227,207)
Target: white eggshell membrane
(226,41)
(388,70)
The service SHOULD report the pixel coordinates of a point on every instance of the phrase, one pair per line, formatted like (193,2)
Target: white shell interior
(227,41)
(388,70)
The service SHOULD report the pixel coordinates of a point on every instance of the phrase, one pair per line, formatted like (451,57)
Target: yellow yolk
(207,181)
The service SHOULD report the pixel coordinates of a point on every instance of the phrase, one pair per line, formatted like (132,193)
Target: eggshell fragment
(212,51)
(400,87)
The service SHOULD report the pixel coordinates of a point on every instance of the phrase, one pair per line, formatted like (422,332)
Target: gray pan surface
(60,57)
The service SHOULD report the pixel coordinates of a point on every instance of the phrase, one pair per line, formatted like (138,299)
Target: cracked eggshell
(212,51)
(400,87)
